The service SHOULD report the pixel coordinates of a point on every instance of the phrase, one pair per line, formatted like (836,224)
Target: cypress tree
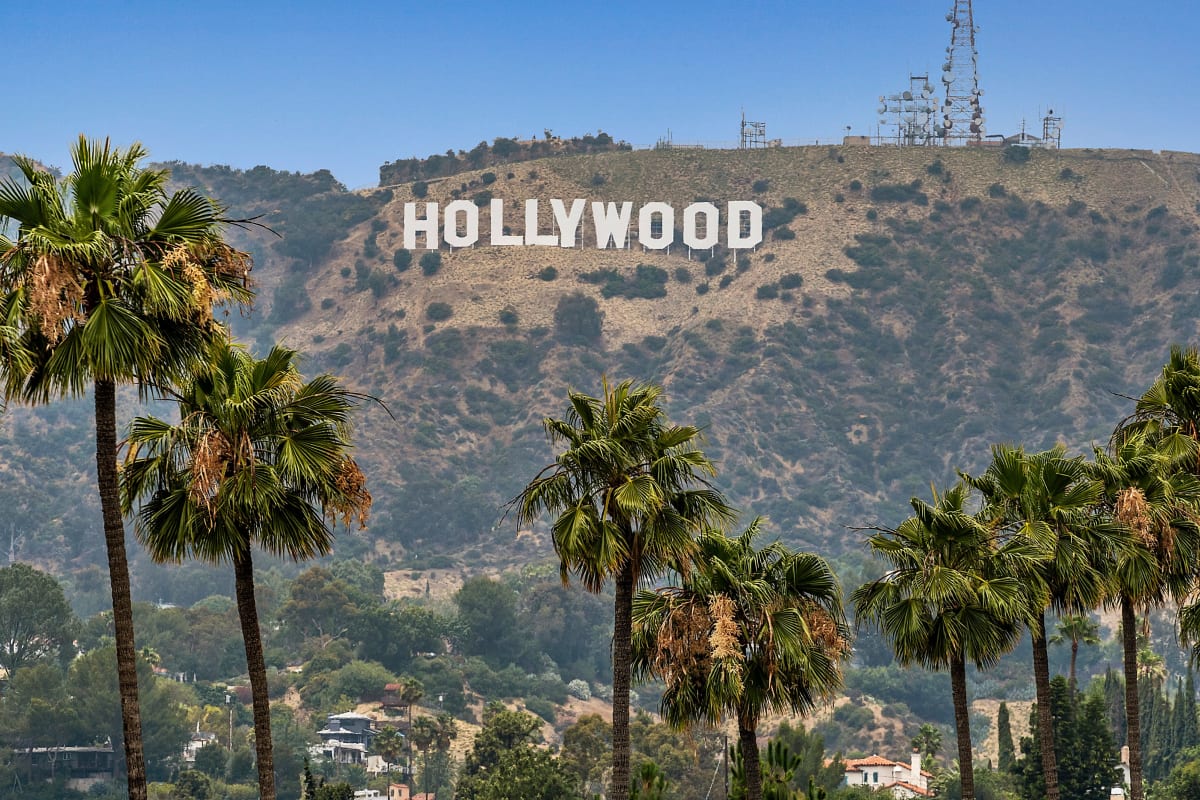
(1008,755)
(1114,700)
(1191,730)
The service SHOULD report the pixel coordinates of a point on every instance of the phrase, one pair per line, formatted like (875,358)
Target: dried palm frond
(351,500)
(210,460)
(723,639)
(683,642)
(55,296)
(1133,511)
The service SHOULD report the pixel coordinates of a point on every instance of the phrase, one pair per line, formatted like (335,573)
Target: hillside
(907,308)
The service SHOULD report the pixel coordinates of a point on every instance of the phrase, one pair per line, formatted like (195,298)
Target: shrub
(1067,174)
(856,185)
(791,280)
(783,234)
(768,291)
(936,168)
(420,189)
(438,312)
(345,272)
(996,190)
(702,288)
(1075,208)
(431,262)
(482,198)
(402,259)
(872,214)
(579,689)
(547,274)
(578,319)
(682,275)
(761,185)
(839,198)
(599,180)
(725,281)
(508,316)
(714,266)
(1016,154)
(488,178)
(899,193)
(327,303)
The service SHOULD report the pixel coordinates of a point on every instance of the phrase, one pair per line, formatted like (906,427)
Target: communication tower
(1052,130)
(911,112)
(962,115)
(754,134)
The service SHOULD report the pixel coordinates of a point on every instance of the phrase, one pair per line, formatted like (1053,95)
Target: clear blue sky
(347,86)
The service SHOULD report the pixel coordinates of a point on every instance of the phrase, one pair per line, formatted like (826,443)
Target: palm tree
(258,459)
(1150,492)
(390,745)
(628,493)
(422,735)
(1076,629)
(1049,499)
(954,591)
(109,281)
(746,631)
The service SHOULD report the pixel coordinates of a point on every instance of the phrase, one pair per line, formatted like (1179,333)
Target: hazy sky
(347,86)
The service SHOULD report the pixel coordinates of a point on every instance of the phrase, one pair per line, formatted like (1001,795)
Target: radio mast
(962,115)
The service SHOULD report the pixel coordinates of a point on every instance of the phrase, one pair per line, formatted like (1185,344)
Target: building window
(874,777)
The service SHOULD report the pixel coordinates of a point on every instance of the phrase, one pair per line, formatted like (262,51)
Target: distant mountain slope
(907,308)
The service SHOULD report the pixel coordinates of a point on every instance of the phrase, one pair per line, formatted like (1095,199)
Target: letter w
(611,224)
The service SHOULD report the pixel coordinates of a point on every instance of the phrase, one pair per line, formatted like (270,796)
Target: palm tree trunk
(622,664)
(1133,736)
(751,765)
(962,725)
(1041,681)
(1074,654)
(243,571)
(118,577)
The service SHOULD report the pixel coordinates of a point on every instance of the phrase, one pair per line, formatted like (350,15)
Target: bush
(402,259)
(1016,154)
(769,291)
(578,319)
(872,214)
(438,312)
(702,288)
(508,316)
(543,708)
(327,303)
(579,689)
(936,168)
(839,198)
(996,190)
(682,275)
(783,234)
(431,262)
(725,281)
(547,274)
(899,193)
(488,178)
(856,185)
(761,185)
(483,198)
(599,180)
(791,280)
(420,189)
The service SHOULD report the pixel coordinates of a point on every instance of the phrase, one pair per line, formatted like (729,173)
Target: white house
(903,780)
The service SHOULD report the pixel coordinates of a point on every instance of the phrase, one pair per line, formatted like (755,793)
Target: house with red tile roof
(904,781)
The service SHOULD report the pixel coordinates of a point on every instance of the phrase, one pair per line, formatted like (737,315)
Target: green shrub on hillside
(438,312)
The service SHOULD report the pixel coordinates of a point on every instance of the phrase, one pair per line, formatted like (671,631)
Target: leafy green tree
(1048,499)
(212,760)
(814,767)
(1087,757)
(587,745)
(37,709)
(776,637)
(487,615)
(528,773)
(1184,781)
(258,459)
(192,785)
(503,733)
(627,493)
(578,319)
(953,591)
(1008,753)
(109,281)
(35,620)
(95,693)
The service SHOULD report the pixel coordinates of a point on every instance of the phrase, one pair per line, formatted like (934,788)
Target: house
(199,740)
(398,791)
(904,781)
(347,737)
(82,766)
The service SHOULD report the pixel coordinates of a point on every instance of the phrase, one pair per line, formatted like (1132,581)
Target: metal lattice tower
(962,115)
(754,134)
(912,112)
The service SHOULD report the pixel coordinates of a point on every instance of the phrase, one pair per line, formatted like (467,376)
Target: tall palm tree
(954,591)
(1076,629)
(628,493)
(109,281)
(259,458)
(745,632)
(1049,499)
(1150,491)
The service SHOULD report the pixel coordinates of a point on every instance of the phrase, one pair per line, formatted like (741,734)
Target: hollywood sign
(458,225)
